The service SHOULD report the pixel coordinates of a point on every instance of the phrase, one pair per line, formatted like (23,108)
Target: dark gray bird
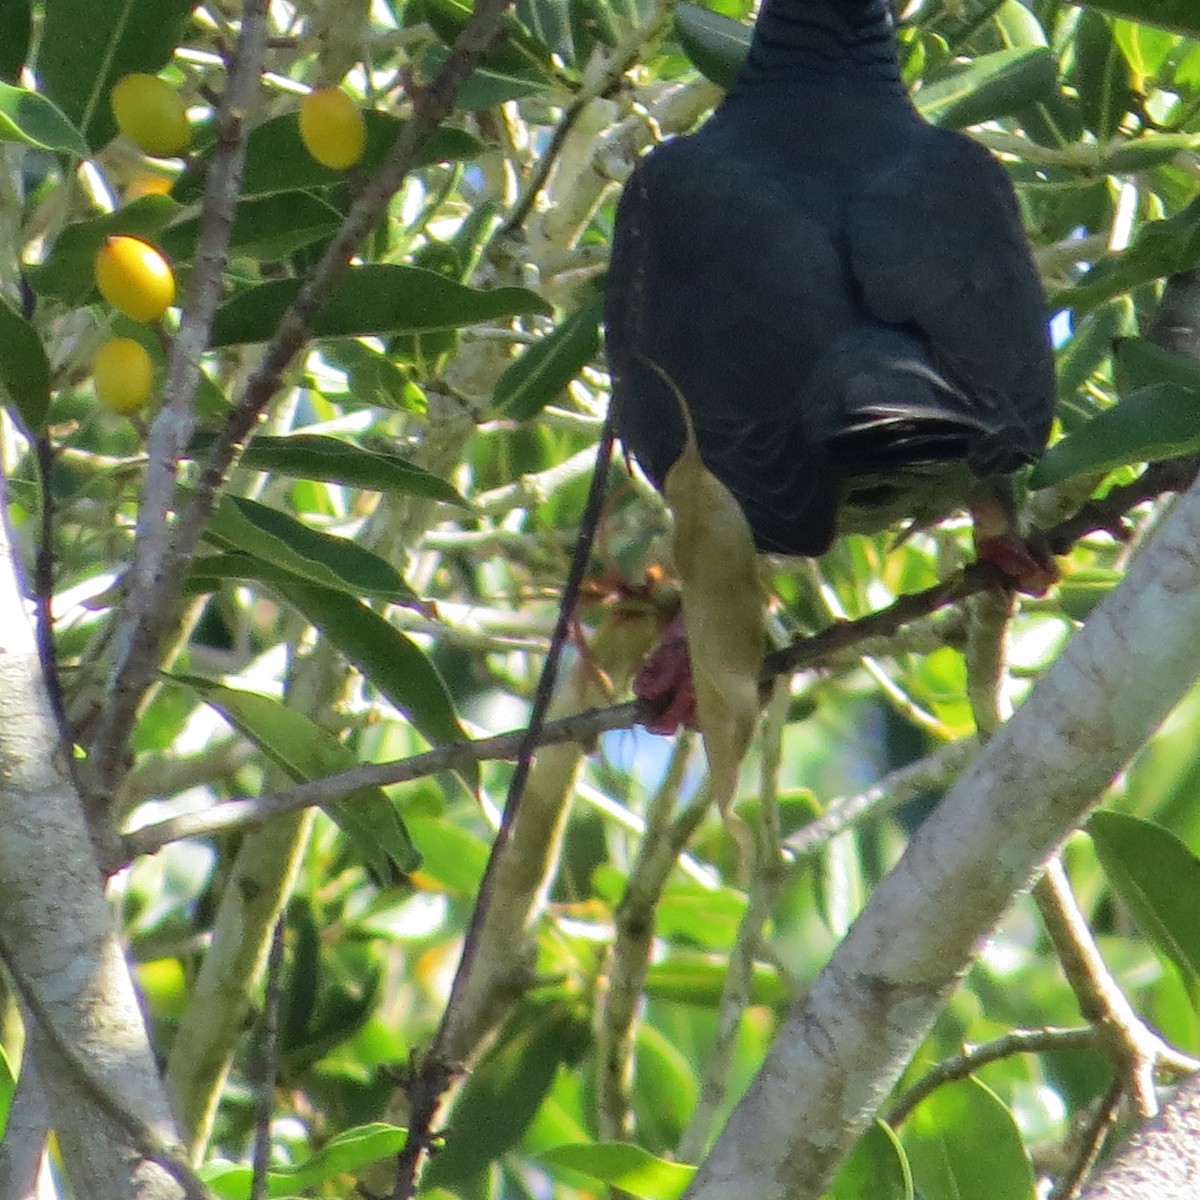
(842,293)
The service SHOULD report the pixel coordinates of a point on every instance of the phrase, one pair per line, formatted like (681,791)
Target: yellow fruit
(123,375)
(147,185)
(150,114)
(332,128)
(135,278)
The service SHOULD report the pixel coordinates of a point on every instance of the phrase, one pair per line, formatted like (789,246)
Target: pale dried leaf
(723,611)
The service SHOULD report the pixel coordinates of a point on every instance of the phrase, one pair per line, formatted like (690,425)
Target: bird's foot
(1029,564)
(664,683)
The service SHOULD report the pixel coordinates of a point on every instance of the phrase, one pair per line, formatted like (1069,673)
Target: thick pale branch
(842,1048)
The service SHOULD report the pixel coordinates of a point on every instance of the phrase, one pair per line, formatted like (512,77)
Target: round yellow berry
(135,278)
(332,128)
(150,113)
(147,185)
(123,375)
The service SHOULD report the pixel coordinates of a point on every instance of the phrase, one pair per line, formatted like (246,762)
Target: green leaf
(1158,878)
(1139,362)
(68,272)
(992,85)
(27,117)
(1158,421)
(393,662)
(87,45)
(1160,248)
(335,460)
(1180,16)
(717,45)
(276,160)
(24,370)
(518,50)
(304,750)
(505,1090)
(16,21)
(1129,155)
(451,858)
(877,1167)
(380,299)
(545,368)
(623,1166)
(963,1144)
(700,980)
(1102,76)
(309,554)
(266,229)
(345,1153)
(486,87)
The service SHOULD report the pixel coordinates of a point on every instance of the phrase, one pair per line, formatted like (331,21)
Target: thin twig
(43,585)
(145,629)
(154,579)
(1135,1048)
(961,1066)
(268,1064)
(428,1085)
(766,879)
(1070,1183)
(935,771)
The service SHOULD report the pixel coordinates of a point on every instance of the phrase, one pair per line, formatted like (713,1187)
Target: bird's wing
(690,290)
(937,246)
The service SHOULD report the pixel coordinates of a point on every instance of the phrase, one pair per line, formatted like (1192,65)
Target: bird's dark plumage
(841,291)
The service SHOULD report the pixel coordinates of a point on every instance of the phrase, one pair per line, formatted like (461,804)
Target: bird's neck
(820,41)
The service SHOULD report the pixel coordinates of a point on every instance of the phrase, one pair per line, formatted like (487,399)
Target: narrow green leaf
(265,228)
(344,1154)
(624,1166)
(305,750)
(517,51)
(309,554)
(16,21)
(1161,420)
(505,1090)
(963,1144)
(1180,16)
(276,160)
(1125,157)
(24,370)
(486,87)
(380,299)
(451,858)
(1102,76)
(67,273)
(543,370)
(877,1167)
(27,117)
(1159,249)
(992,85)
(1158,878)
(87,45)
(1140,363)
(393,662)
(334,460)
(716,44)
(697,979)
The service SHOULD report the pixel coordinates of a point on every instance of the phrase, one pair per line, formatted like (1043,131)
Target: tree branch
(1037,777)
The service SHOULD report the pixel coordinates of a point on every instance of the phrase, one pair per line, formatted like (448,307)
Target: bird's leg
(1028,562)
(664,682)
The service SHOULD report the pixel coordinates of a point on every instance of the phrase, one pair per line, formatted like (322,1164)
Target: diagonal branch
(158,576)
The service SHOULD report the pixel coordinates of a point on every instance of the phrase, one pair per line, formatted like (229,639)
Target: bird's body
(841,292)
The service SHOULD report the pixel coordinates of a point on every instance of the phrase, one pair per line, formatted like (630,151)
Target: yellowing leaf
(722,608)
